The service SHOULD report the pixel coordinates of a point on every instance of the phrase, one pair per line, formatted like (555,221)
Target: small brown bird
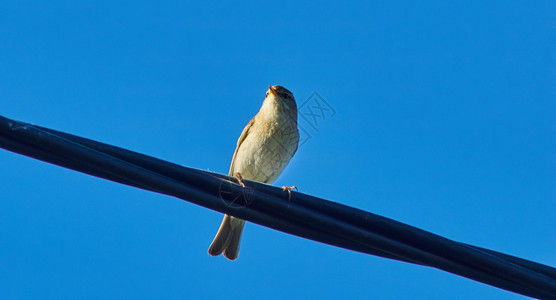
(263,150)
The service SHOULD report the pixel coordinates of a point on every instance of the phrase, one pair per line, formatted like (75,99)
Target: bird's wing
(239,141)
(296,144)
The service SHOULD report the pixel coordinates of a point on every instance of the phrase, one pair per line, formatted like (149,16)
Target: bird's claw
(289,189)
(240,179)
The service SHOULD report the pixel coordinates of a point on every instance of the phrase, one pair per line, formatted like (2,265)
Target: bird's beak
(272,90)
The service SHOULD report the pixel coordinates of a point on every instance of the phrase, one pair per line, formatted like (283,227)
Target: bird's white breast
(268,147)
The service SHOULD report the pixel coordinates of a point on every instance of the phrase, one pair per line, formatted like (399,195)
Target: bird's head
(282,96)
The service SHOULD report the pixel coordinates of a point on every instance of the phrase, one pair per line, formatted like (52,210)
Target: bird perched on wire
(263,150)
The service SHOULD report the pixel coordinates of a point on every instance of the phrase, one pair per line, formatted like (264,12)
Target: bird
(263,150)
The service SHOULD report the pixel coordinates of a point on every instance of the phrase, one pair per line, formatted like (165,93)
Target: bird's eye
(286,96)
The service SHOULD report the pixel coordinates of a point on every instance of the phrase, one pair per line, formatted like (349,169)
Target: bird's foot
(240,179)
(289,189)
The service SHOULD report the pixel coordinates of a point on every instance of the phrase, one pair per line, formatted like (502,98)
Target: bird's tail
(227,239)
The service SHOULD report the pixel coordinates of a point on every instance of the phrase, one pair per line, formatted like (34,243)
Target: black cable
(302,215)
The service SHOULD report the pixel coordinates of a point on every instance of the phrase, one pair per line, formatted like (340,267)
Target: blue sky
(444,119)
